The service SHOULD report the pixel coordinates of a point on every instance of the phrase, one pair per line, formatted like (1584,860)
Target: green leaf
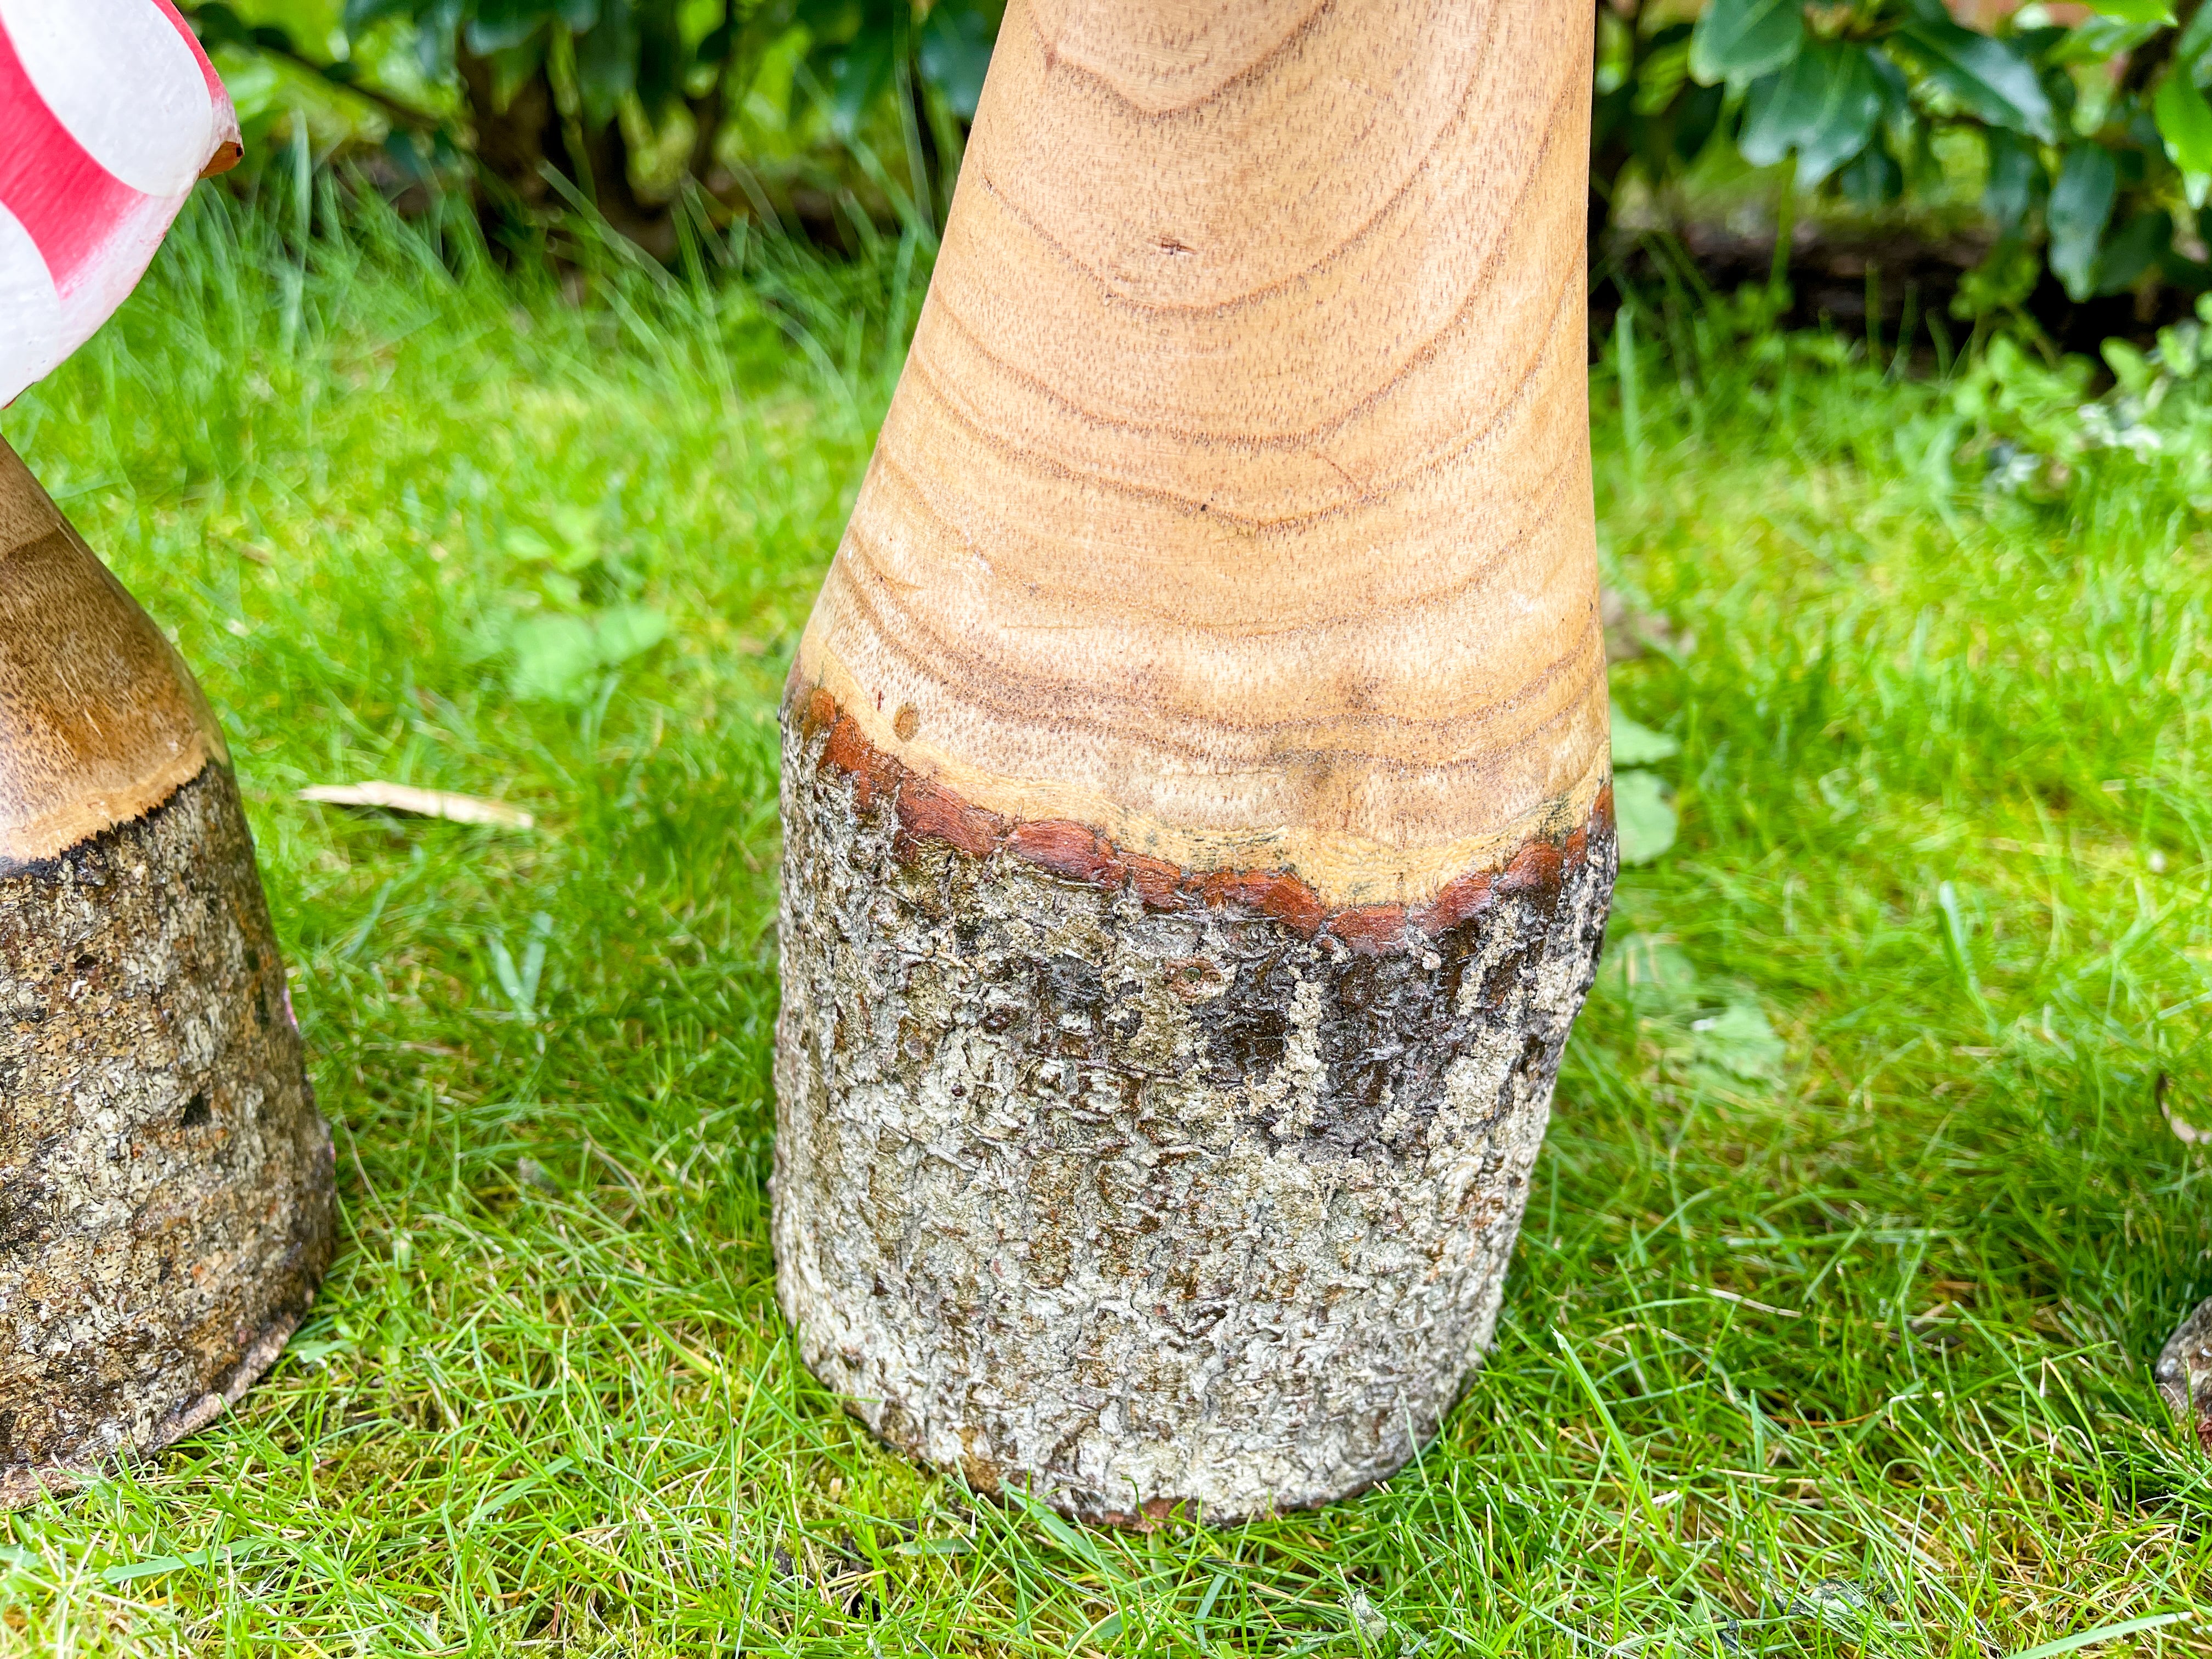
(2081,1639)
(2196,40)
(1740,41)
(1650,974)
(2134,11)
(219,26)
(2095,40)
(1990,78)
(1956,948)
(1824,106)
(2014,170)
(2179,346)
(606,61)
(2130,251)
(361,13)
(2134,371)
(628,631)
(520,983)
(1739,1040)
(955,50)
(1871,180)
(501,25)
(1662,73)
(1696,117)
(555,658)
(2081,204)
(495,1501)
(2185,122)
(160,1566)
(1636,744)
(1076,1543)
(860,74)
(575,549)
(1643,816)
(832,23)
(664,66)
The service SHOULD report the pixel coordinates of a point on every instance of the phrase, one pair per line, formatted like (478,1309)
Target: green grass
(1843,1353)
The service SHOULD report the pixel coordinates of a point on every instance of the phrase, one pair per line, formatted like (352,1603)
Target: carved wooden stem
(165,1197)
(1196,792)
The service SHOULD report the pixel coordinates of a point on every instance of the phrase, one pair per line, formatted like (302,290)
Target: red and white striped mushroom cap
(109,111)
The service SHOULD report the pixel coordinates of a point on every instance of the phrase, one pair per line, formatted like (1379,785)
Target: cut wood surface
(99,719)
(1236,499)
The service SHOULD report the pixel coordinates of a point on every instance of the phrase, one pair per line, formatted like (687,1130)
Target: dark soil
(1841,277)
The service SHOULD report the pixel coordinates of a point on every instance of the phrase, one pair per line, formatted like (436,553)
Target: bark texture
(2183,1374)
(166,1195)
(1140,1190)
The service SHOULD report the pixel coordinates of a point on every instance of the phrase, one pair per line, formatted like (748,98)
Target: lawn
(1859,1224)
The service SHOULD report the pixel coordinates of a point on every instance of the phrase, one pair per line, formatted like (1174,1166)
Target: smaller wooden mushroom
(166,1207)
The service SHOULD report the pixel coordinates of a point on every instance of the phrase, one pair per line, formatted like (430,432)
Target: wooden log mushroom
(166,1192)
(1196,792)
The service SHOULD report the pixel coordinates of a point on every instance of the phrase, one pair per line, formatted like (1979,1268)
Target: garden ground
(1867,1201)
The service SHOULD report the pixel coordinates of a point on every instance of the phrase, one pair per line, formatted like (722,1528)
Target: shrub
(624,103)
(2095,136)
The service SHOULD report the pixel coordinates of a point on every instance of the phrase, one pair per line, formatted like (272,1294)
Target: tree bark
(1197,799)
(166,1193)
(2183,1374)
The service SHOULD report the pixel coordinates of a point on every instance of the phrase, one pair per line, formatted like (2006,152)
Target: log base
(1144,1193)
(166,1193)
(2183,1374)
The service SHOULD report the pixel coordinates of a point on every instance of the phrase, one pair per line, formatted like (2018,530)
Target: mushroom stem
(1196,792)
(166,1206)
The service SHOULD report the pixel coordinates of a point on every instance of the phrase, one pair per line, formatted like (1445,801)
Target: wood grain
(99,719)
(1236,499)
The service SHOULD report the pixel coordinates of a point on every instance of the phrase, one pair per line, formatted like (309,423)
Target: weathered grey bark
(1133,1197)
(165,1196)
(166,1207)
